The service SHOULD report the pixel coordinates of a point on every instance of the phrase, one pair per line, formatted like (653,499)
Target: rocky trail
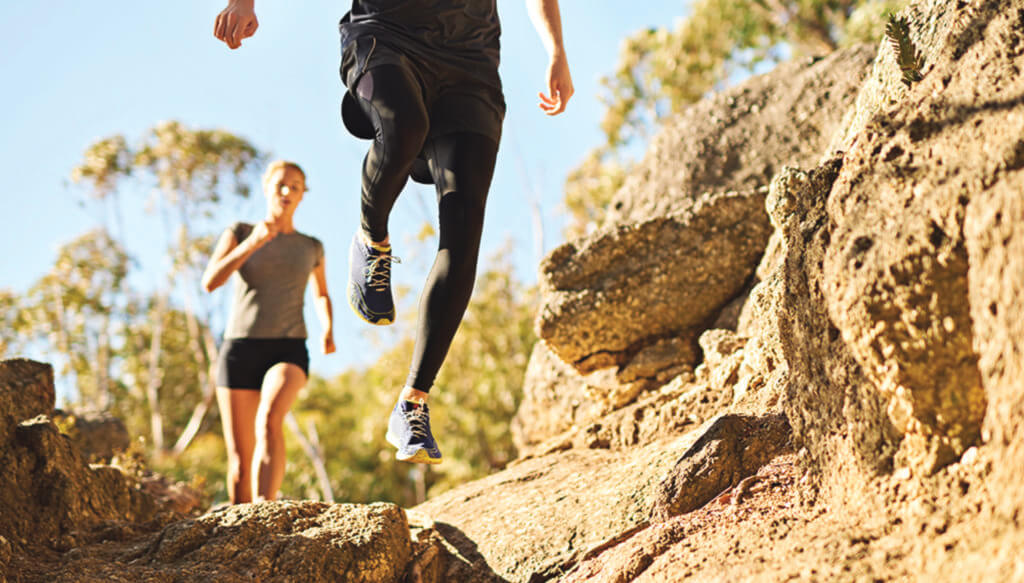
(793,352)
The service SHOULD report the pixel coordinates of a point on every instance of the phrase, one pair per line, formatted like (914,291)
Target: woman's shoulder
(310,238)
(316,244)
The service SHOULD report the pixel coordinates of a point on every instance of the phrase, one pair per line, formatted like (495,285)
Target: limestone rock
(921,262)
(610,295)
(740,138)
(70,497)
(678,407)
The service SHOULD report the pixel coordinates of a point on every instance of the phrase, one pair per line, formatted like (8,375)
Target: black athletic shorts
(242,362)
(457,100)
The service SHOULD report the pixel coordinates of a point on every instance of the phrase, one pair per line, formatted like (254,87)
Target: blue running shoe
(409,431)
(369,283)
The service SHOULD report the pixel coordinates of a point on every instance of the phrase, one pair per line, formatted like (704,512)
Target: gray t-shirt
(270,286)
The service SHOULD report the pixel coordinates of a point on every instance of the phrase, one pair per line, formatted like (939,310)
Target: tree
(188,172)
(79,307)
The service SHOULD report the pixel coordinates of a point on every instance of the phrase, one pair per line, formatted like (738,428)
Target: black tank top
(462,32)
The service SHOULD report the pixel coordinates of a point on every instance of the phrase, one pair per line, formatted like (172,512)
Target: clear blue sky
(78,71)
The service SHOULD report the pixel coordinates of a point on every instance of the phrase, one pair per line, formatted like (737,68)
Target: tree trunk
(156,374)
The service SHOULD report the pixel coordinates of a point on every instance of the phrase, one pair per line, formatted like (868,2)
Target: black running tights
(461,165)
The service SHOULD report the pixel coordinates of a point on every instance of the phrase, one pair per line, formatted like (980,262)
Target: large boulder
(611,295)
(739,138)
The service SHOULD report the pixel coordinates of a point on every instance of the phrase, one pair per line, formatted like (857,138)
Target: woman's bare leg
(281,386)
(238,418)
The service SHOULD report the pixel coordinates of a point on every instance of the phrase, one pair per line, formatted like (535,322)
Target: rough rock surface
(923,221)
(556,398)
(732,448)
(614,293)
(676,408)
(739,139)
(26,391)
(835,411)
(279,541)
(556,508)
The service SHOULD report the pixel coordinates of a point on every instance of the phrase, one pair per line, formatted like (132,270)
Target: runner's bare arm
(322,302)
(548,21)
(236,22)
(228,254)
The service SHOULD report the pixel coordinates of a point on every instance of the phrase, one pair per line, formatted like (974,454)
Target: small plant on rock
(907,55)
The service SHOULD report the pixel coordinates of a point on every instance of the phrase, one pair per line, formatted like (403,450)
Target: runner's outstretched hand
(327,342)
(559,86)
(236,22)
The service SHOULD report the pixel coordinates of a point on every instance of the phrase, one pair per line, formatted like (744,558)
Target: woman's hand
(559,85)
(236,22)
(327,342)
(263,232)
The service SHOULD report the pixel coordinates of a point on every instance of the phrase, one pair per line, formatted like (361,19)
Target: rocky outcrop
(739,138)
(49,494)
(913,277)
(26,391)
(609,296)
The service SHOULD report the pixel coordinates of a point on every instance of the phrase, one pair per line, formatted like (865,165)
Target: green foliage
(662,70)
(187,165)
(868,21)
(897,32)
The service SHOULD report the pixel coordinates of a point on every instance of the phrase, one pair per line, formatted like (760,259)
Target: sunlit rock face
(609,296)
(739,138)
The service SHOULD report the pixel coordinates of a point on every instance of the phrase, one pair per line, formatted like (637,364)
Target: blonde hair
(279,165)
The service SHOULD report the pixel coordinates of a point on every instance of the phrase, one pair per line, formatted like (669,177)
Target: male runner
(423,84)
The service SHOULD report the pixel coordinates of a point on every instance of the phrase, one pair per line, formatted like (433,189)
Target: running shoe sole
(420,457)
(353,293)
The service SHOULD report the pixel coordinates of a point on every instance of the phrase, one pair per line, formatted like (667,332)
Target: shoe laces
(378,272)
(419,421)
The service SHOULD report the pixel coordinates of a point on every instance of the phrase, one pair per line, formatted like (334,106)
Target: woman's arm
(548,21)
(322,303)
(236,22)
(228,255)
